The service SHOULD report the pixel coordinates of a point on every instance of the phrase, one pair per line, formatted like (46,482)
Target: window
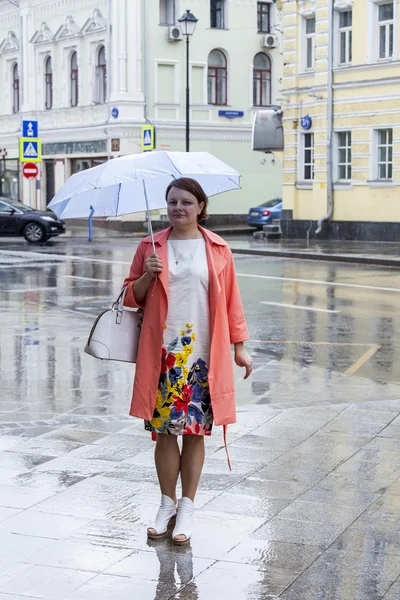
(344,155)
(48,79)
(385,153)
(217,14)
(385,18)
(74,79)
(15,90)
(264,17)
(310,43)
(261,80)
(308,156)
(4,208)
(167,12)
(101,76)
(345,37)
(217,78)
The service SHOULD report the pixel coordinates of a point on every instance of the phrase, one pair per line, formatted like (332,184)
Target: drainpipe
(329,125)
(108,80)
(145,6)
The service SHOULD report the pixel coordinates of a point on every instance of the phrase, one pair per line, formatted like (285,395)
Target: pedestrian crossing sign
(148,137)
(30,150)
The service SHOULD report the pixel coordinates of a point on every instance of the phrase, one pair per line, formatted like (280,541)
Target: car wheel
(34,233)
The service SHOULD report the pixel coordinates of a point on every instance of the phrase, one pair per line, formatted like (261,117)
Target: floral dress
(183,403)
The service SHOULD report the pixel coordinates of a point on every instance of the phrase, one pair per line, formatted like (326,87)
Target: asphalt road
(339,317)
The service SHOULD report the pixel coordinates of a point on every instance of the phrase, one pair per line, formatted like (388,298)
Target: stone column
(125,50)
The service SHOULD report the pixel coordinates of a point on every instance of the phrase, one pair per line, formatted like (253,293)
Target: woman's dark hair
(193,187)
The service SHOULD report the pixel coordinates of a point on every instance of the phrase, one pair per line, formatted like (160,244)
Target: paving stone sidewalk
(311,510)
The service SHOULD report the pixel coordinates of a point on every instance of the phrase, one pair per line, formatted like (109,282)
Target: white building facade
(93,72)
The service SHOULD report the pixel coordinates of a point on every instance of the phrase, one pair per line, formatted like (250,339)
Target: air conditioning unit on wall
(270,41)
(175,34)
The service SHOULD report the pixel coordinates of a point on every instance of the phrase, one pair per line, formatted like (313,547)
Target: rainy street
(311,510)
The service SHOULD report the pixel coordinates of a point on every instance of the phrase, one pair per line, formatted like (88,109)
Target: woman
(184,372)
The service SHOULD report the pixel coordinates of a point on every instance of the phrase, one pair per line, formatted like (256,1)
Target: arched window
(101,76)
(217,78)
(74,79)
(15,95)
(261,80)
(48,80)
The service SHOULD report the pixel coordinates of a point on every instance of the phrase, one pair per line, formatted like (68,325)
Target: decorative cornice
(43,35)
(68,30)
(10,43)
(96,23)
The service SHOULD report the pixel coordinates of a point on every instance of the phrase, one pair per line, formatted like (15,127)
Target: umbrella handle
(91,223)
(148,216)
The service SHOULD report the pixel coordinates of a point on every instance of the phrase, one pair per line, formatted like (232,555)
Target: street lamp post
(188,25)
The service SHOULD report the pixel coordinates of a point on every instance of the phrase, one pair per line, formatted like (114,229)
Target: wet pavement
(311,510)
(371,253)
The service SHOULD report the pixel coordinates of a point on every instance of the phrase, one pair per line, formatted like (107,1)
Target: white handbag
(115,333)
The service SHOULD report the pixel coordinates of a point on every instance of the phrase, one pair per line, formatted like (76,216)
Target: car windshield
(16,204)
(271,203)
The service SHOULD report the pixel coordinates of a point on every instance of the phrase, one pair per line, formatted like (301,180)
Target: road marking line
(63,257)
(29,290)
(87,278)
(323,310)
(327,283)
(308,343)
(364,358)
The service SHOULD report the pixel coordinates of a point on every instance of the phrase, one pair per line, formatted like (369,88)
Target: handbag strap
(119,303)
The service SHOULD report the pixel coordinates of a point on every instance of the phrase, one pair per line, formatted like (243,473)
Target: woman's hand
(153,265)
(243,359)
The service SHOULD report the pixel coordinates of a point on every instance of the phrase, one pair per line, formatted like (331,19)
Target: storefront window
(9,187)
(81,164)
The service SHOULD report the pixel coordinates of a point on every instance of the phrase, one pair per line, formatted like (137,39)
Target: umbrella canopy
(137,183)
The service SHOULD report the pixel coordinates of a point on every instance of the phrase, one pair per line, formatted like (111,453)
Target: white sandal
(165,519)
(184,521)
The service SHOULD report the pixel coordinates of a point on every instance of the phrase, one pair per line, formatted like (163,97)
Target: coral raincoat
(227,326)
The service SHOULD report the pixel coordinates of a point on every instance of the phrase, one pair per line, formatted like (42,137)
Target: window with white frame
(344,155)
(15,89)
(101,76)
(74,79)
(261,80)
(385,29)
(217,14)
(48,82)
(345,37)
(167,12)
(384,155)
(217,79)
(307,157)
(309,43)
(264,17)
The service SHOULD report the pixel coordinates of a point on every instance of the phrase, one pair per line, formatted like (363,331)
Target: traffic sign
(148,137)
(30,129)
(30,150)
(30,170)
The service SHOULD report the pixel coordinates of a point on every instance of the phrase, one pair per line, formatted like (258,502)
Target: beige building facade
(342,55)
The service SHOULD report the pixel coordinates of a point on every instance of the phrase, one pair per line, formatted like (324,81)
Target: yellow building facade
(343,54)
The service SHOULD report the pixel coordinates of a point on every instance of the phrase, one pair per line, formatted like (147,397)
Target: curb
(78,232)
(343,258)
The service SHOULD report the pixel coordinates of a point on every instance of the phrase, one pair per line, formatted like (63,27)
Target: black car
(34,225)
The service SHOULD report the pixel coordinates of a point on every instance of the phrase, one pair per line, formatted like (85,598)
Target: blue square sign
(30,129)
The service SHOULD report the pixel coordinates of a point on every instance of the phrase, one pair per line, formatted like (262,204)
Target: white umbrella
(137,183)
